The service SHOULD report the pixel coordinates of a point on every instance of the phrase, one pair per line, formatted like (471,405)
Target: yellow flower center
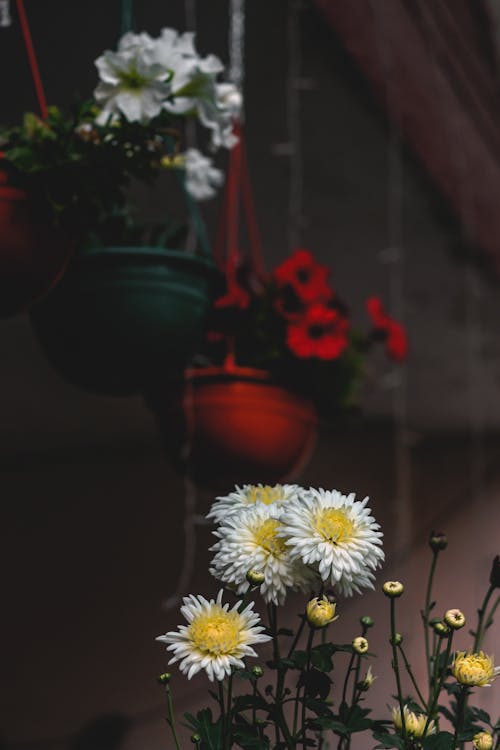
(216,632)
(265,494)
(265,536)
(473,669)
(334,525)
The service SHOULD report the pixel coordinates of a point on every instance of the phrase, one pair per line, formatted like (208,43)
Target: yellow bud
(454,619)
(360,645)
(392,589)
(255,577)
(320,612)
(482,741)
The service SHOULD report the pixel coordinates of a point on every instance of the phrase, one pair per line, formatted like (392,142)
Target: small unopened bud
(482,741)
(164,678)
(454,618)
(195,739)
(441,629)
(320,612)
(397,640)
(255,577)
(495,573)
(257,671)
(438,541)
(367,621)
(367,681)
(360,645)
(392,589)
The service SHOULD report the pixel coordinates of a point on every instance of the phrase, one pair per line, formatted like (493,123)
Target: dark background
(92,511)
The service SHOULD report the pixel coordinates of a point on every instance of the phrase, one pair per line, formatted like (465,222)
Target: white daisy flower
(249,495)
(131,84)
(216,638)
(336,535)
(251,540)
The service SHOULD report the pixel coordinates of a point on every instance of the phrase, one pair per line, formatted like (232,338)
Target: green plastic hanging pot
(123,316)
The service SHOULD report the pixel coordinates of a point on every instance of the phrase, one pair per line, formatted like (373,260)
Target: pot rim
(150,252)
(225,373)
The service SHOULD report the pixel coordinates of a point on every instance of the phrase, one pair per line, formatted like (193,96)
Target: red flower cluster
(305,298)
(396,343)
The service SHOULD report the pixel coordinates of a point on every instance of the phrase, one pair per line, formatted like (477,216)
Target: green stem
(425,617)
(170,715)
(222,708)
(296,639)
(347,675)
(431,709)
(461,705)
(227,738)
(271,612)
(395,665)
(482,611)
(411,675)
(126,22)
(308,667)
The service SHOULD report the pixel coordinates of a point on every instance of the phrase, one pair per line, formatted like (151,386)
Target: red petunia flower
(308,279)
(321,332)
(396,341)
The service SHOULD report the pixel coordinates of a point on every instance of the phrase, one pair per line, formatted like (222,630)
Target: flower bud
(164,678)
(255,577)
(393,589)
(454,618)
(320,612)
(367,681)
(195,739)
(438,541)
(257,671)
(482,741)
(397,640)
(441,629)
(495,573)
(360,645)
(367,621)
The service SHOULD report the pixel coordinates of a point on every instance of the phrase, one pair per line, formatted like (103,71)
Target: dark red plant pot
(33,256)
(237,428)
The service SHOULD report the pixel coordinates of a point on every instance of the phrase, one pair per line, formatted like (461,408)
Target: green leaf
(209,731)
(248,737)
(439,741)
(388,740)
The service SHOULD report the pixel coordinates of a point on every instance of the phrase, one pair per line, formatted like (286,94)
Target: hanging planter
(123,315)
(33,256)
(238,427)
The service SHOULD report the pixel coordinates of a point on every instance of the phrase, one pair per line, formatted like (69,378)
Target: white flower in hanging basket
(202,178)
(131,83)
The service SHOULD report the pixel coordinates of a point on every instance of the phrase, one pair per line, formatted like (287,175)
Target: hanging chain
(236,72)
(5,17)
(295,196)
(394,255)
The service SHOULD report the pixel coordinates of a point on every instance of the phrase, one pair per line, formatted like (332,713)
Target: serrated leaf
(439,741)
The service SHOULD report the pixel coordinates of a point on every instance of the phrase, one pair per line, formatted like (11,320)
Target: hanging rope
(5,17)
(237,44)
(30,51)
(127,17)
(295,195)
(394,255)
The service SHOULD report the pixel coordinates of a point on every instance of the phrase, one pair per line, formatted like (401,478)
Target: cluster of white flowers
(147,75)
(294,538)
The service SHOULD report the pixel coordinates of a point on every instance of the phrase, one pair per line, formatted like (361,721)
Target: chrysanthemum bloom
(336,535)
(454,618)
(396,343)
(360,645)
(308,279)
(216,638)
(320,612)
(248,496)
(482,741)
(414,723)
(474,669)
(251,540)
(320,332)
(393,589)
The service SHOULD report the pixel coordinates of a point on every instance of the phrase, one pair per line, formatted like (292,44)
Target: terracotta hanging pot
(237,427)
(123,316)
(33,256)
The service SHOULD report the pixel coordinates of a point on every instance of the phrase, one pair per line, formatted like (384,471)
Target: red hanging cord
(30,51)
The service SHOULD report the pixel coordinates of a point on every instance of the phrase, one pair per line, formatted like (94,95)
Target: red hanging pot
(238,427)
(33,255)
